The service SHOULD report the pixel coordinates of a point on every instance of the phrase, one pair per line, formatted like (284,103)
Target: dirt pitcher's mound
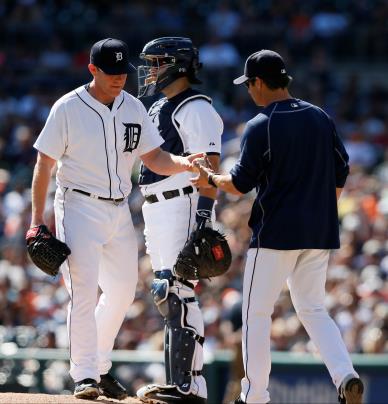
(21,398)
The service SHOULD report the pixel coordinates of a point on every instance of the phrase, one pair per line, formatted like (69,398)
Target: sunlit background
(336,52)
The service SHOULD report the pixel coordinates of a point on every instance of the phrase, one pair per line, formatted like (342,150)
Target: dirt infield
(21,398)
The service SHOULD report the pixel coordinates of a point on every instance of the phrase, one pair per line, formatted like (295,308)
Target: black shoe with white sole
(351,390)
(86,389)
(112,388)
(166,394)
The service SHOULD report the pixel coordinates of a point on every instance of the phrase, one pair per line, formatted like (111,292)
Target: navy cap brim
(240,80)
(130,68)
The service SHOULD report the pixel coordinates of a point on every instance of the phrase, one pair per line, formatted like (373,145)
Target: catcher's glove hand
(46,251)
(206,254)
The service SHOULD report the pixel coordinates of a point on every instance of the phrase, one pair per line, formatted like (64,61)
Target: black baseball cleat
(86,389)
(166,394)
(238,400)
(351,390)
(112,388)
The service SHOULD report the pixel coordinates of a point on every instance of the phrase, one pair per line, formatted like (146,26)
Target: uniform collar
(97,105)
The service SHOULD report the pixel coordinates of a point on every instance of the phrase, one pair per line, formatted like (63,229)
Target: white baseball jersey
(200,128)
(96,147)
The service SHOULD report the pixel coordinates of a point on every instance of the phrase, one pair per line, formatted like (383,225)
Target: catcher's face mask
(165,60)
(157,72)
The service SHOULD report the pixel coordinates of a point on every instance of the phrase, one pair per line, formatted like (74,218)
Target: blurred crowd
(336,52)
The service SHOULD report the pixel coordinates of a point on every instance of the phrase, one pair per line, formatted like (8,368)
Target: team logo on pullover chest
(131,136)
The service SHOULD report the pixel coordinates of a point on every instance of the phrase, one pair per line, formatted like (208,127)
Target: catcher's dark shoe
(111,388)
(351,390)
(86,389)
(165,394)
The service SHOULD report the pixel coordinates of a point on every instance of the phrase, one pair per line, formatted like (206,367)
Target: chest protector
(163,112)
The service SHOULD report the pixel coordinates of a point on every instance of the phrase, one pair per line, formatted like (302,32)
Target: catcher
(188,123)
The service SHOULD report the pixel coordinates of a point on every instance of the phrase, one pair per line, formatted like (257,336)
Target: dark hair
(274,84)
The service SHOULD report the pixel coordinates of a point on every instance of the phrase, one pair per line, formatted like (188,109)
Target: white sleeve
(53,137)
(201,127)
(150,138)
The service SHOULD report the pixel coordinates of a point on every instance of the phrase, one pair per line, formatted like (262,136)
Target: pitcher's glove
(46,251)
(205,255)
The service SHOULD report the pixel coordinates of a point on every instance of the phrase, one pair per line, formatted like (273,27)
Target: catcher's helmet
(166,59)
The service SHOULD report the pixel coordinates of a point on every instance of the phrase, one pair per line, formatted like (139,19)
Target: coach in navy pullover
(292,155)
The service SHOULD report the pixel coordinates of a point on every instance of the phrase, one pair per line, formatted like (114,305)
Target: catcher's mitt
(206,254)
(46,251)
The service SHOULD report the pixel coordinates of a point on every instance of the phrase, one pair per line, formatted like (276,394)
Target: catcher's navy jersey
(292,154)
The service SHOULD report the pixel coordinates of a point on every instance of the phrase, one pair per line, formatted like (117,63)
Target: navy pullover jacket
(292,155)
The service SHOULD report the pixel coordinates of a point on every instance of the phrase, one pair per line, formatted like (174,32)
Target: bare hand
(195,156)
(204,162)
(190,158)
(201,180)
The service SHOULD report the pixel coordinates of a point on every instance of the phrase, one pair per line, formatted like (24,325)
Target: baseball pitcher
(95,133)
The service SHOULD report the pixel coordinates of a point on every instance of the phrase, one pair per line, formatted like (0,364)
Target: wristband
(204,209)
(210,180)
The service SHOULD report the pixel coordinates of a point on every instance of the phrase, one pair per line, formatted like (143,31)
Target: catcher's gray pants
(266,272)
(168,224)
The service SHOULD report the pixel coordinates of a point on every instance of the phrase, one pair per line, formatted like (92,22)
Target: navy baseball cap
(111,56)
(265,64)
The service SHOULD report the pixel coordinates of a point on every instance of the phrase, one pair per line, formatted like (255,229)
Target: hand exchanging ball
(204,173)
(203,162)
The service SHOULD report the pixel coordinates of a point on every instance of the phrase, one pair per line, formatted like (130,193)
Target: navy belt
(169,194)
(117,200)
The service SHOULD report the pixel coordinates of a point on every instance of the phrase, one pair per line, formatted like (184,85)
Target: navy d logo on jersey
(131,136)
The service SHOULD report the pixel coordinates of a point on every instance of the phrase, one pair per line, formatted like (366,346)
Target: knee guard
(180,338)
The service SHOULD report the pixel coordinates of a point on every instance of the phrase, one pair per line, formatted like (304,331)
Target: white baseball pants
(104,253)
(168,224)
(266,271)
